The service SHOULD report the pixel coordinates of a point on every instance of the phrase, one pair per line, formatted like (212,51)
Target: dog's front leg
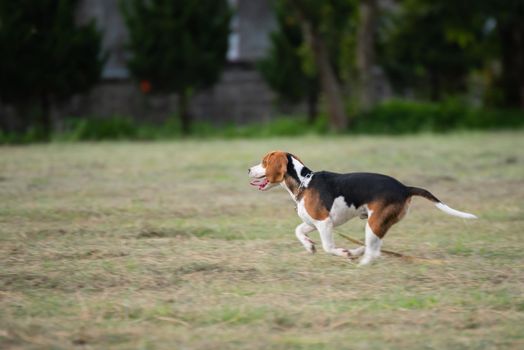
(325,228)
(301,232)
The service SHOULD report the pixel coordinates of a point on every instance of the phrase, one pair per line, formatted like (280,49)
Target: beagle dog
(325,200)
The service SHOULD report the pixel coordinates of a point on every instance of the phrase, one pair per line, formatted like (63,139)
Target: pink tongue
(259,182)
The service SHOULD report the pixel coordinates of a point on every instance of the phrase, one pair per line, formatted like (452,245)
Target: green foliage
(509,44)
(492,31)
(291,67)
(122,128)
(31,135)
(44,54)
(95,129)
(423,47)
(431,47)
(117,128)
(285,68)
(393,117)
(334,20)
(398,117)
(177,45)
(284,126)
(328,16)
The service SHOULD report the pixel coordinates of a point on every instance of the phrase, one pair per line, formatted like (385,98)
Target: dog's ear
(294,156)
(276,166)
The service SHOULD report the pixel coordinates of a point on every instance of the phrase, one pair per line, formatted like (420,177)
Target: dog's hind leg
(381,218)
(373,245)
(301,232)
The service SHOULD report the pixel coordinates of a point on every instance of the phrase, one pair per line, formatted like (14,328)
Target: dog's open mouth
(260,182)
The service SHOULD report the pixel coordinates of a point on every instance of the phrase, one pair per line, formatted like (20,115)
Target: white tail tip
(454,212)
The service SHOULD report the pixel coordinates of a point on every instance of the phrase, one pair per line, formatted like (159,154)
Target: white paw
(310,248)
(357,251)
(341,252)
(365,260)
(309,245)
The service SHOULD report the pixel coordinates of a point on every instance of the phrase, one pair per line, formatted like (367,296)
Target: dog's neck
(297,178)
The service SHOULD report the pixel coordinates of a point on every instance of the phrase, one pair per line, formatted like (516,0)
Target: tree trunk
(183,112)
(366,52)
(328,81)
(512,58)
(312,105)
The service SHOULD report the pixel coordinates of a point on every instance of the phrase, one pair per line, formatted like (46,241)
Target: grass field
(166,246)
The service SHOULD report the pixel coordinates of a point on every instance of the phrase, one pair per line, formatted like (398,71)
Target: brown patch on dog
(276,166)
(293,186)
(386,215)
(314,206)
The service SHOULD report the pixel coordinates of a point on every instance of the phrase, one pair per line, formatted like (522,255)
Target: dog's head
(271,171)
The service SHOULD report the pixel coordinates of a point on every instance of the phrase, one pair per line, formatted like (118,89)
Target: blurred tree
(366,60)
(287,68)
(436,44)
(177,46)
(508,18)
(324,23)
(423,47)
(44,56)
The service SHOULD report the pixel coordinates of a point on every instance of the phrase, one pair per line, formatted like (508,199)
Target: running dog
(325,200)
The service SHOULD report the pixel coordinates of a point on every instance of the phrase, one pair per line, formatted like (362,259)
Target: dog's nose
(248,171)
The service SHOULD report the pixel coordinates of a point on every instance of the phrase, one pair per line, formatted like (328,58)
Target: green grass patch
(161,245)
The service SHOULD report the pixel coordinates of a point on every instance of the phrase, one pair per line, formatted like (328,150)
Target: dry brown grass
(165,245)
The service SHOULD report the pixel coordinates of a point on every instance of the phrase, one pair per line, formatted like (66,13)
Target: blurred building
(240,96)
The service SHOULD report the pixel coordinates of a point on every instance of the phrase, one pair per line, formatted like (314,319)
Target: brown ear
(276,166)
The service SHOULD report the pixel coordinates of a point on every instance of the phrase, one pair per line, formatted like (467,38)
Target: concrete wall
(240,96)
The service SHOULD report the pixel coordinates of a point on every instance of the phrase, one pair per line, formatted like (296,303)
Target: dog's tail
(415,191)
